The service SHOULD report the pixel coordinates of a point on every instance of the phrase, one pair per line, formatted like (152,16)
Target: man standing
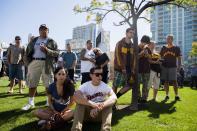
(40,56)
(170,54)
(70,61)
(124,64)
(87,57)
(144,68)
(15,61)
(94,102)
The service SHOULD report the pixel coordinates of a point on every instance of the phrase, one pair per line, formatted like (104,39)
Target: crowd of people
(94,99)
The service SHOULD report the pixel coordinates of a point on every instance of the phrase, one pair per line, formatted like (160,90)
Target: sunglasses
(17,39)
(98,74)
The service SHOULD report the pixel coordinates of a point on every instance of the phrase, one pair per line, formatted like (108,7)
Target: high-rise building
(103,40)
(86,32)
(180,22)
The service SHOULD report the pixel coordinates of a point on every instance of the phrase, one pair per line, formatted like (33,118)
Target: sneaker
(177,98)
(47,104)
(167,98)
(41,122)
(27,107)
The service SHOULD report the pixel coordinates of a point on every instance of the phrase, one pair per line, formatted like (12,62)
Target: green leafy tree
(193,51)
(130,11)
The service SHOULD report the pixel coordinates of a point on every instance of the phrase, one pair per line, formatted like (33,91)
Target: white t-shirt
(95,93)
(87,65)
(37,52)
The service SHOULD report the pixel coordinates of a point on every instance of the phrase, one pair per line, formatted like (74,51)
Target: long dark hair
(68,86)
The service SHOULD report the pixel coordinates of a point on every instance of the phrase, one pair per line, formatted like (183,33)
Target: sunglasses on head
(98,74)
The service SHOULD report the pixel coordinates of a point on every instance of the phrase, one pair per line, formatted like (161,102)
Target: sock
(31,100)
(119,94)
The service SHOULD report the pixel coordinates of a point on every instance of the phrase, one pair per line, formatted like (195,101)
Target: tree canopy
(193,51)
(127,9)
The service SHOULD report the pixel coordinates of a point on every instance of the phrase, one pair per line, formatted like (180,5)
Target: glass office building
(180,22)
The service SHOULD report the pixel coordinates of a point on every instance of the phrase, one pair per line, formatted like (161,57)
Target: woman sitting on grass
(60,97)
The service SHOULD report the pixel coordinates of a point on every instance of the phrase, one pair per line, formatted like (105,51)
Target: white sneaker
(47,104)
(41,122)
(27,107)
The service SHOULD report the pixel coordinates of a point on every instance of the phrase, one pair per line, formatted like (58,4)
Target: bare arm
(50,102)
(79,98)
(9,55)
(70,104)
(106,62)
(82,55)
(111,100)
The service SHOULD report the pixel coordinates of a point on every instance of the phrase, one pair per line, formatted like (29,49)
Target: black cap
(17,38)
(43,26)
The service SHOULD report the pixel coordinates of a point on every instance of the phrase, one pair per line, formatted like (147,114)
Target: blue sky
(21,17)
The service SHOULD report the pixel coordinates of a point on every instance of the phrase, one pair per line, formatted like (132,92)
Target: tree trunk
(134,101)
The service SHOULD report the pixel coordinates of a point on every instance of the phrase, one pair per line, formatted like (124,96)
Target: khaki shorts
(154,80)
(35,69)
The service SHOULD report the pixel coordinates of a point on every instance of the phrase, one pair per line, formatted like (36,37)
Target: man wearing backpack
(40,58)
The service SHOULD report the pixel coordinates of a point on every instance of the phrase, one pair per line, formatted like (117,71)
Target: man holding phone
(40,58)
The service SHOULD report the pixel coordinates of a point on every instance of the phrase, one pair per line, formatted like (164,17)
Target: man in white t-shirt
(87,58)
(94,101)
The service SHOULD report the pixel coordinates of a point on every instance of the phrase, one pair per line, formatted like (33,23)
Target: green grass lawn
(169,116)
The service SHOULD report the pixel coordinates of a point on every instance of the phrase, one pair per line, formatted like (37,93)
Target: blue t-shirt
(58,102)
(68,58)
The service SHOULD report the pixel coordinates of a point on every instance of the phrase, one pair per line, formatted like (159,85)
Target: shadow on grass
(156,109)
(120,113)
(11,115)
(4,95)
(28,126)
(67,127)
(193,88)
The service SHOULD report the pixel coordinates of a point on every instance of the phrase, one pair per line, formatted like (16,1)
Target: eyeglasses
(17,39)
(98,74)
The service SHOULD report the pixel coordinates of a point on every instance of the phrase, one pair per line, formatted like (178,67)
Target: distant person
(102,60)
(40,58)
(182,77)
(60,62)
(87,58)
(60,96)
(70,61)
(194,76)
(94,102)
(144,68)
(15,59)
(124,65)
(170,55)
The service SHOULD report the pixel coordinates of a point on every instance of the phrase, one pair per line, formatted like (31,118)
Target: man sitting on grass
(94,102)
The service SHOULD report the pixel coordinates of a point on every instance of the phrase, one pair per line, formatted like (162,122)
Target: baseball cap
(43,26)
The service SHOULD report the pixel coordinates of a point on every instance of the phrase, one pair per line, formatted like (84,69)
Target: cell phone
(42,44)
